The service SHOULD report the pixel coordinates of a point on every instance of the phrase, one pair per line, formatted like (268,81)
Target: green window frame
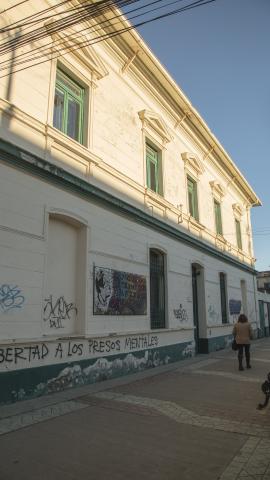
(238,234)
(192,198)
(152,169)
(223,297)
(218,218)
(68,114)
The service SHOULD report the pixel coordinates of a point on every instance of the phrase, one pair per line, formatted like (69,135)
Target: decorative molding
(218,190)
(153,121)
(237,210)
(18,158)
(86,54)
(192,163)
(129,61)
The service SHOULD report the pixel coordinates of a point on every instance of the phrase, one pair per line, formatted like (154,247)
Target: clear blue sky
(219,54)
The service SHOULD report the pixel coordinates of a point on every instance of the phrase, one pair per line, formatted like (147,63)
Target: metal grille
(157,290)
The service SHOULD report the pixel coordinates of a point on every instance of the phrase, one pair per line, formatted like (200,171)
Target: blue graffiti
(10,297)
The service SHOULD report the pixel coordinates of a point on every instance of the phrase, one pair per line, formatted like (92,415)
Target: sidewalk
(196,419)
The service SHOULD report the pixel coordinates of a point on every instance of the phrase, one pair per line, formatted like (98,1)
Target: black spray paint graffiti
(58,311)
(181,314)
(10,298)
(70,349)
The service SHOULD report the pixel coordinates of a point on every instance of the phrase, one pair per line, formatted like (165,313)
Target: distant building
(263,281)
(125,232)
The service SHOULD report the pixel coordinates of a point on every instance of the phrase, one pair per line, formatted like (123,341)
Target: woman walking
(243,334)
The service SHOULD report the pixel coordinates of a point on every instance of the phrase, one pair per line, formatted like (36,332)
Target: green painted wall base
(35,382)
(207,345)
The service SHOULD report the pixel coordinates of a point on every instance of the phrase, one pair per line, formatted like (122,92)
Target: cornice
(27,162)
(148,65)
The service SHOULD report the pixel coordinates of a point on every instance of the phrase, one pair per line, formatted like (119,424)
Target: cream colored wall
(114,242)
(114,156)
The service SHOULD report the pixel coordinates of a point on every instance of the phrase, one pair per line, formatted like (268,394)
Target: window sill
(157,197)
(69,146)
(195,223)
(220,238)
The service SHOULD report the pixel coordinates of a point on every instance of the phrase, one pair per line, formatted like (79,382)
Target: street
(196,419)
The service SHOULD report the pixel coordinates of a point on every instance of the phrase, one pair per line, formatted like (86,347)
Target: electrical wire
(13,6)
(60,24)
(81,14)
(46,48)
(51,32)
(119,32)
(19,24)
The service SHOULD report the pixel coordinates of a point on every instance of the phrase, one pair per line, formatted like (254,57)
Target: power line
(13,6)
(23,21)
(46,48)
(35,17)
(81,14)
(121,31)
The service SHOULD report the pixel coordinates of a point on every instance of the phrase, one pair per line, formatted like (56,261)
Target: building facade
(126,240)
(263,281)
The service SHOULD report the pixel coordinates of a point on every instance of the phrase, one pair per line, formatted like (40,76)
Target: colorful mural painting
(119,293)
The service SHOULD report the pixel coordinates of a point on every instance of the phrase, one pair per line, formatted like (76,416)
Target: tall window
(238,234)
(218,219)
(68,106)
(152,167)
(223,297)
(157,289)
(192,198)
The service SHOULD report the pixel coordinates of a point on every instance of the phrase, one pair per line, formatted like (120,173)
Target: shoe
(241,368)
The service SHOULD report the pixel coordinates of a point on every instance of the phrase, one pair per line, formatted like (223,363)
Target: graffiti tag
(181,314)
(10,298)
(58,311)
(213,315)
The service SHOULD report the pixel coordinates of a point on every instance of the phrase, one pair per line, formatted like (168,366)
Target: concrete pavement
(196,419)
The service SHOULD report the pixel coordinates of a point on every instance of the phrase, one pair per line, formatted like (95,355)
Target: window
(152,166)
(218,219)
(157,289)
(238,234)
(192,198)
(68,106)
(223,297)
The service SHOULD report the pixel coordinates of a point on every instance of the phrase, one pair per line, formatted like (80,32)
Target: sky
(219,54)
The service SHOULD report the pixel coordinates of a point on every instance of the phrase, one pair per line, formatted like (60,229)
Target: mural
(10,298)
(119,293)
